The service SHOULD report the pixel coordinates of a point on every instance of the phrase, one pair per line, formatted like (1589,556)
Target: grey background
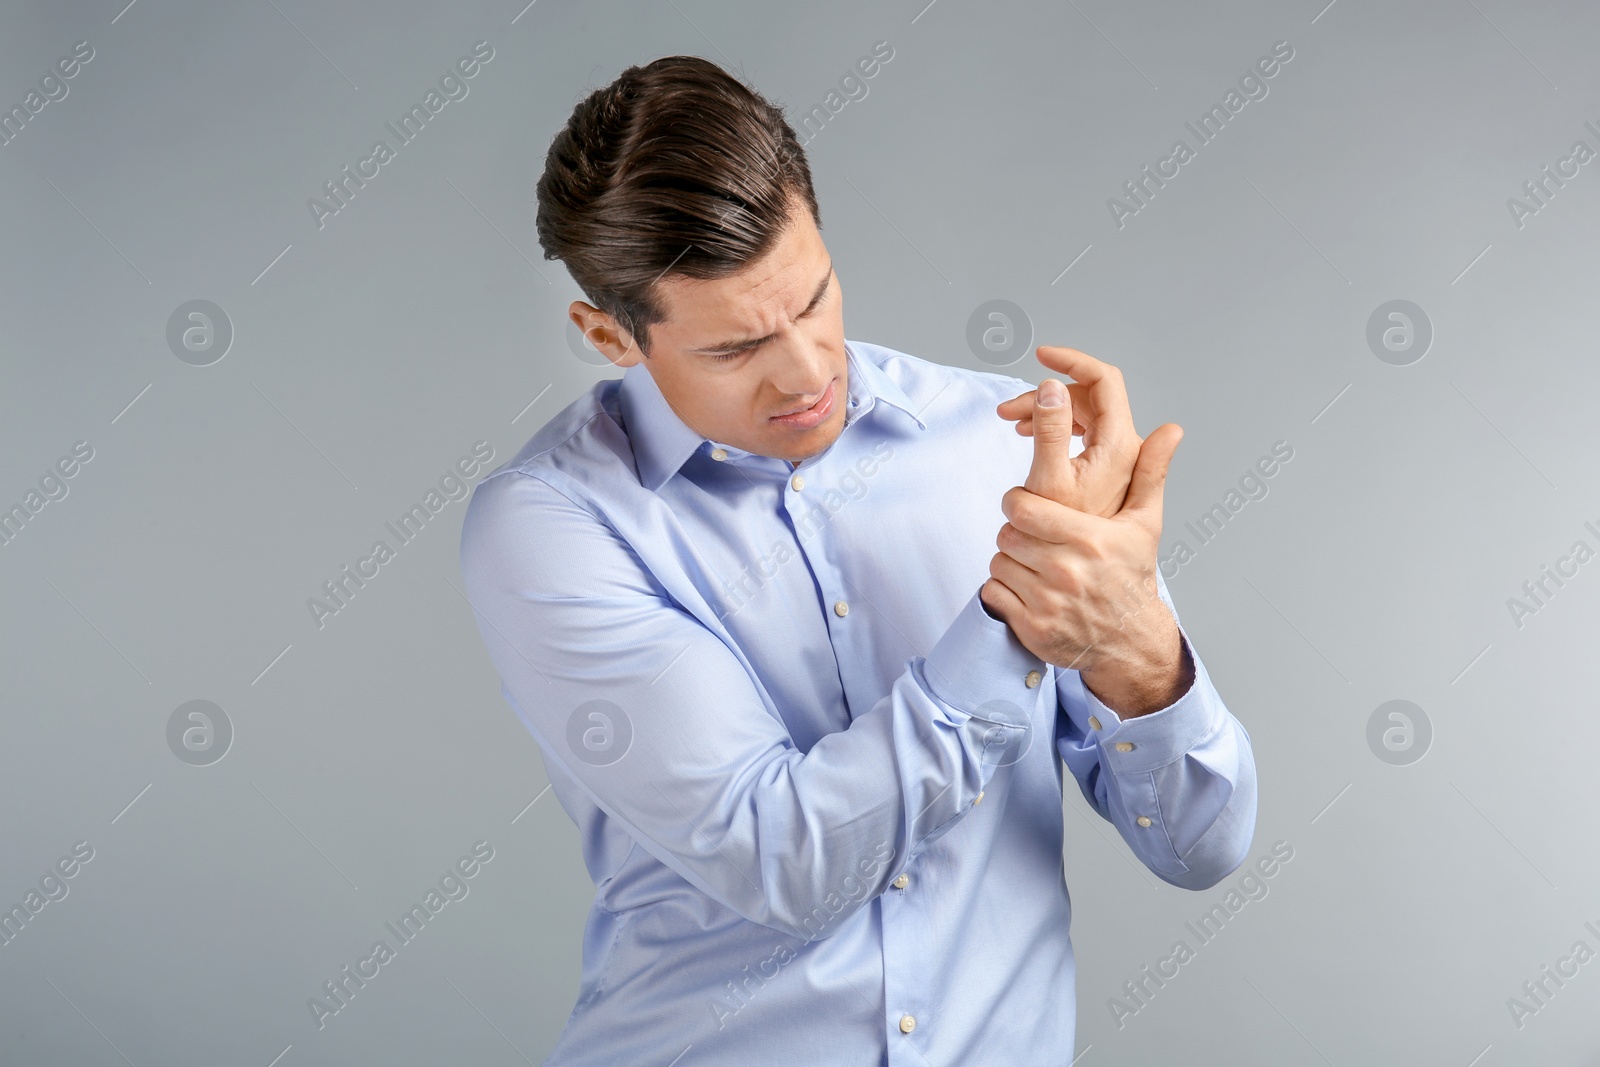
(369,355)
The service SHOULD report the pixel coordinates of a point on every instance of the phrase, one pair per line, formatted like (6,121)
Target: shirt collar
(662,442)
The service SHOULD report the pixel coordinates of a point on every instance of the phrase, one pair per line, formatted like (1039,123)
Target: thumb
(1051,473)
(1150,473)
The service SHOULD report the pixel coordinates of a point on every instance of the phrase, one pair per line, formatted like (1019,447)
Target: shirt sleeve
(663,728)
(1179,784)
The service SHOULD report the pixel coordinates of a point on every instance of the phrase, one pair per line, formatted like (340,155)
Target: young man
(809,723)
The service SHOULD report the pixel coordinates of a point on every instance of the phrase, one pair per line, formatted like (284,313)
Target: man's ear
(604,333)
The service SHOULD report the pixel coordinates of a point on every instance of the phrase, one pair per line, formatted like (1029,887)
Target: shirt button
(840,608)
(719,454)
(798,482)
(979,798)
(907,1024)
(1123,746)
(1032,679)
(901,882)
(1094,723)
(1143,820)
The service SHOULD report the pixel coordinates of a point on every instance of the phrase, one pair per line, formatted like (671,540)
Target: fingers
(1021,406)
(1025,427)
(1043,518)
(1108,414)
(1033,553)
(1019,409)
(1001,601)
(1052,474)
(1145,491)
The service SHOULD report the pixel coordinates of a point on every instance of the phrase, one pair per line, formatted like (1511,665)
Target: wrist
(1145,684)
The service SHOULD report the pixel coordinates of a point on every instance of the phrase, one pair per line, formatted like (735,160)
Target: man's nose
(804,373)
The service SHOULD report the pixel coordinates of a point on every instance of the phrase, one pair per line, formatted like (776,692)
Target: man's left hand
(1078,589)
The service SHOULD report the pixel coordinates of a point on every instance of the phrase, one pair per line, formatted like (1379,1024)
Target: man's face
(735,352)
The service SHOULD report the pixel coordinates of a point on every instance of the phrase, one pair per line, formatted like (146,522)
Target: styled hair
(676,166)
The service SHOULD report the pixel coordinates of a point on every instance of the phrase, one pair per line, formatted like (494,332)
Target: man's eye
(724,357)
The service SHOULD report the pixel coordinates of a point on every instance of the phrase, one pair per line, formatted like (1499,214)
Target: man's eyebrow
(749,342)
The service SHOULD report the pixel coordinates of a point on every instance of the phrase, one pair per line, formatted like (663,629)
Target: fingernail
(1050,393)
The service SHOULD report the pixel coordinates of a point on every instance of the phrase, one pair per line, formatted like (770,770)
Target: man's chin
(824,437)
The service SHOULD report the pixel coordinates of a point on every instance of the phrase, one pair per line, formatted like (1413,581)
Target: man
(813,752)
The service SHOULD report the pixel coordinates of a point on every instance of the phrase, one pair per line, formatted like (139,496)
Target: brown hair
(675,166)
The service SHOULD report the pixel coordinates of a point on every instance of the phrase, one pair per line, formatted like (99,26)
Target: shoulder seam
(522,468)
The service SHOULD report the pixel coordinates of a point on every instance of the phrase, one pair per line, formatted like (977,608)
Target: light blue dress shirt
(818,788)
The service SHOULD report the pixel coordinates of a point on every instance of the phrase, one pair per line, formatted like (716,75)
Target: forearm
(1149,679)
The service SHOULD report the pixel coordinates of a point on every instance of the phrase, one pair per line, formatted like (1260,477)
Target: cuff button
(1143,820)
(1123,746)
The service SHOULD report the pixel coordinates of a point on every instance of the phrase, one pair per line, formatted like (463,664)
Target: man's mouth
(807,417)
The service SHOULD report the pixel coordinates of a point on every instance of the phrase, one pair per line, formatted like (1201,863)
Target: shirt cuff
(980,669)
(1145,742)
